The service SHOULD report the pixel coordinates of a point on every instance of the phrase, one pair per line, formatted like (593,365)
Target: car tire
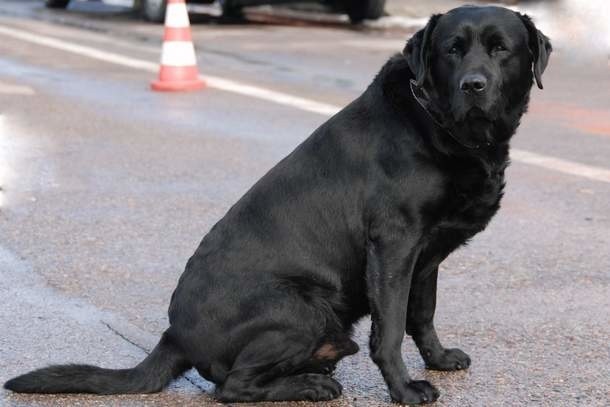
(56,3)
(359,10)
(230,10)
(153,10)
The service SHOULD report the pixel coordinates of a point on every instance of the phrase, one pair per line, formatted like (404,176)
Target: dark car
(154,10)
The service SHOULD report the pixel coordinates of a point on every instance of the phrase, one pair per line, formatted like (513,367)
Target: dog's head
(472,65)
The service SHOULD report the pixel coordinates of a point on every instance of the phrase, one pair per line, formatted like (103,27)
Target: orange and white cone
(178,71)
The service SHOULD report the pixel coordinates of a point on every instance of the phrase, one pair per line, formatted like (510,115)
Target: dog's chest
(471,199)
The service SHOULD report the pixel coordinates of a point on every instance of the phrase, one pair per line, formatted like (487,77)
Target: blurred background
(107,187)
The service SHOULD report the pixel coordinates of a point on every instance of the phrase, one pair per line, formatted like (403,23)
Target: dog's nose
(473,83)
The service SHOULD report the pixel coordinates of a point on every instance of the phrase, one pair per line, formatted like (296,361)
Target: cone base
(177,86)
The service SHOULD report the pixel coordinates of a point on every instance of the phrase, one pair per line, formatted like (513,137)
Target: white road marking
(9,89)
(80,49)
(376,44)
(397,22)
(540,160)
(213,81)
(272,96)
(561,165)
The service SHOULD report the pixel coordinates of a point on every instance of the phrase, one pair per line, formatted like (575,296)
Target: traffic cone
(178,71)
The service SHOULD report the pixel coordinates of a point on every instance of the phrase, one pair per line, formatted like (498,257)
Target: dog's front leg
(420,324)
(390,263)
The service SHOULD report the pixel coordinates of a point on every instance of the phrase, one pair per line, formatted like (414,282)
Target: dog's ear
(417,50)
(540,48)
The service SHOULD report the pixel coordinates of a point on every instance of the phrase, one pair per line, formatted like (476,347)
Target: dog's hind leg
(303,386)
(278,367)
(328,354)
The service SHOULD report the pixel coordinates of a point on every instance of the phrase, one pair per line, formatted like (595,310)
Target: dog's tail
(165,362)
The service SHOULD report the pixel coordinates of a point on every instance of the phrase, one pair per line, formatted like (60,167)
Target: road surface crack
(143,349)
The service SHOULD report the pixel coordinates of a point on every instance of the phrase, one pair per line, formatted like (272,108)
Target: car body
(154,10)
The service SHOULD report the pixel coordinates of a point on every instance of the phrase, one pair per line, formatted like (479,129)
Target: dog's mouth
(478,120)
(474,128)
(476,113)
(476,116)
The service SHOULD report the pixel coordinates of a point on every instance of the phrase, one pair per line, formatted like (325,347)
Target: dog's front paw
(415,392)
(449,359)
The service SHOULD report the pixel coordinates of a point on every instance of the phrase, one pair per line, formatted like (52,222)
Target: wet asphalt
(107,188)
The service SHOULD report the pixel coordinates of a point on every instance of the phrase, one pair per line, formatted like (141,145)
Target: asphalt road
(107,188)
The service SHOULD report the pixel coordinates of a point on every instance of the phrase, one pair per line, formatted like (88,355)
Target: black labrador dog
(355,221)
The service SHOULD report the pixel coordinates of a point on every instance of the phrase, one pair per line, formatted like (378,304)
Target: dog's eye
(498,48)
(454,50)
